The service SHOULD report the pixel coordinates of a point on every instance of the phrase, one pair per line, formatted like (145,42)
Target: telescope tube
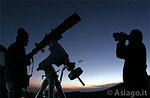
(56,33)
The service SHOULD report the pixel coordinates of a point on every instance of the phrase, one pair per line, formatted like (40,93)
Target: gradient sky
(90,40)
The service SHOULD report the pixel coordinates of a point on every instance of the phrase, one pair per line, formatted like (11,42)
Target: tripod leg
(51,80)
(59,88)
(43,87)
(62,72)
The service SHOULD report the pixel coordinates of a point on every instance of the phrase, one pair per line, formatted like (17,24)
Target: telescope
(58,56)
(53,37)
(56,34)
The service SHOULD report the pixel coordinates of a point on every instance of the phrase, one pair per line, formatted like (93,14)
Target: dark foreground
(113,92)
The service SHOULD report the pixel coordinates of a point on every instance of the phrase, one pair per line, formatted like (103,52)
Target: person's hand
(123,36)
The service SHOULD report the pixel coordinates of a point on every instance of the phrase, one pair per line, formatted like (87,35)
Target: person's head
(22,37)
(135,36)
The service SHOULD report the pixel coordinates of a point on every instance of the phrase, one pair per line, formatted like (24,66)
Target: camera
(118,36)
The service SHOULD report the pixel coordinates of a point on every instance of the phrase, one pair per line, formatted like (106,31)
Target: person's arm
(27,60)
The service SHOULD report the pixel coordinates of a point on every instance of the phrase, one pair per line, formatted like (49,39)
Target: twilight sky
(90,40)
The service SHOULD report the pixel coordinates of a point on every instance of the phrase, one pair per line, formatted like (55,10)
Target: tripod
(51,80)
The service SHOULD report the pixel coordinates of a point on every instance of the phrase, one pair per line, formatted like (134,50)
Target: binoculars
(119,36)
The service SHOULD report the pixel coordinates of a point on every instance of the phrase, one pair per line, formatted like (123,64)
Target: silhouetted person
(3,90)
(134,54)
(16,65)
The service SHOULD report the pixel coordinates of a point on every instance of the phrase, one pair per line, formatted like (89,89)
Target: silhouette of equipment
(58,57)
(55,34)
(119,36)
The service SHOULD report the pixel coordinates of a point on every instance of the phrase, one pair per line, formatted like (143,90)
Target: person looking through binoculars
(134,54)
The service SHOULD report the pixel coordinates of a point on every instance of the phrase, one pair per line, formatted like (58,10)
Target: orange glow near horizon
(35,85)
(68,86)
